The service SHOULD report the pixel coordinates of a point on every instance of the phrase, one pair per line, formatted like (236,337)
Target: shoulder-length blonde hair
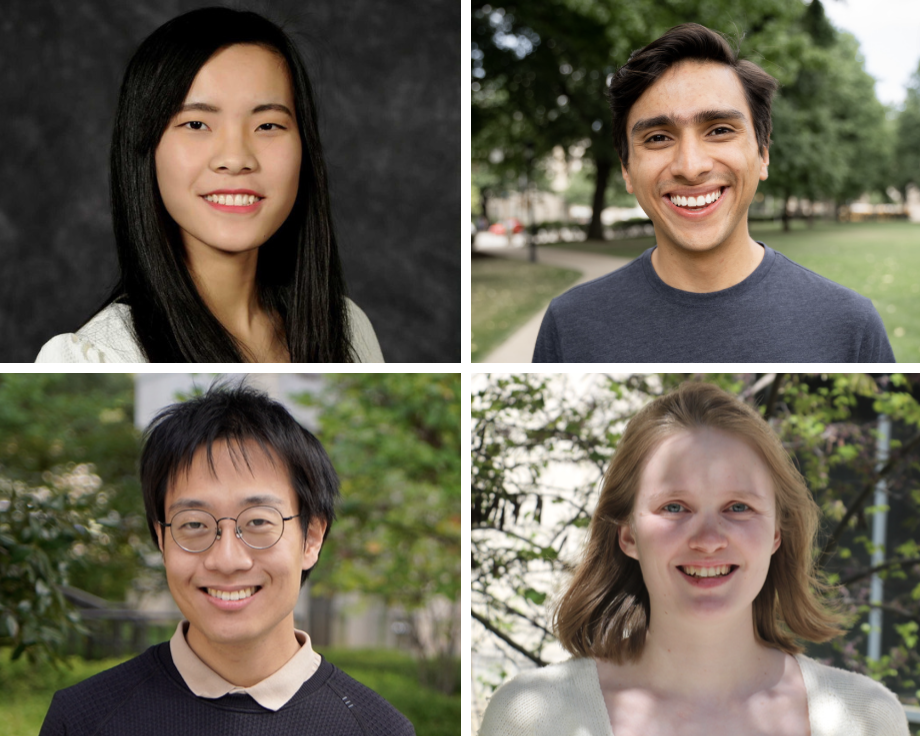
(605,611)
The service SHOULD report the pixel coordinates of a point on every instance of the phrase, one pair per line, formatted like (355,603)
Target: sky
(888,32)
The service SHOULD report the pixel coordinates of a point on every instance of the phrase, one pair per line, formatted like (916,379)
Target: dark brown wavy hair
(605,611)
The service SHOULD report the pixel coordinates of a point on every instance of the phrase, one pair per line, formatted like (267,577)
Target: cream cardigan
(565,700)
(108,338)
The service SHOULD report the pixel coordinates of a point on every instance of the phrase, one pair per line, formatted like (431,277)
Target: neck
(706,271)
(227,284)
(726,662)
(246,663)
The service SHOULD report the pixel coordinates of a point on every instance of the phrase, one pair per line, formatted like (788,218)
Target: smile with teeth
(700,201)
(235,200)
(235,595)
(707,572)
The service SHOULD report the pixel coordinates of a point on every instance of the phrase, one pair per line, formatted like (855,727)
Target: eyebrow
(703,116)
(267,107)
(194,503)
(659,497)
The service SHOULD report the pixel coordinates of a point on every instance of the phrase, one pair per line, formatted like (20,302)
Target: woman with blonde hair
(697,582)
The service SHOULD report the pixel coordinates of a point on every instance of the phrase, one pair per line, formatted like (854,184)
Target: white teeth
(699,201)
(238,200)
(236,595)
(707,572)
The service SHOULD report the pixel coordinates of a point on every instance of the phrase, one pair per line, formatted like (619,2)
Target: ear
(628,541)
(160,529)
(313,543)
(629,186)
(776,540)
(764,164)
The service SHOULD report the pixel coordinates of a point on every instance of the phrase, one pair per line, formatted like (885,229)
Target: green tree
(70,507)
(907,146)
(541,443)
(395,442)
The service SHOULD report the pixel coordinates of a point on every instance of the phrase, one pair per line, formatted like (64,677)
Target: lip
(230,605)
(233,191)
(699,214)
(709,582)
(232,208)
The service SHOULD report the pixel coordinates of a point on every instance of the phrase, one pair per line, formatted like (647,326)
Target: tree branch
(877,568)
(774,395)
(510,642)
(831,546)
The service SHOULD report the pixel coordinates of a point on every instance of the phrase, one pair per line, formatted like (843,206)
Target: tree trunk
(786,214)
(596,228)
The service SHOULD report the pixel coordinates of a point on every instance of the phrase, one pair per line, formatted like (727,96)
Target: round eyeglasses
(260,527)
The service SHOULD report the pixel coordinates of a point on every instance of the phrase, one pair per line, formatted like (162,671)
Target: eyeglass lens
(195,530)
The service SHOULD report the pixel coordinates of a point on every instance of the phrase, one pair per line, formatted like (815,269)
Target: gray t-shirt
(781,313)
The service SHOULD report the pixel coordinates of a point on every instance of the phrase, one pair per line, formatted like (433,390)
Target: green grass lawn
(506,293)
(878,260)
(27,689)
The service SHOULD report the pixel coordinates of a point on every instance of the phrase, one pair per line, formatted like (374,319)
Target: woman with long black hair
(220,207)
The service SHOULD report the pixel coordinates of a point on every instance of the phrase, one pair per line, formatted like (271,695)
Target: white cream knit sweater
(565,700)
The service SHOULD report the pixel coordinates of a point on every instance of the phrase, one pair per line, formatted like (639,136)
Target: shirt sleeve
(70,348)
(54,724)
(875,347)
(547,348)
(363,337)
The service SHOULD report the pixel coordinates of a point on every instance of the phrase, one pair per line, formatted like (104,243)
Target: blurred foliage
(71,510)
(540,70)
(539,449)
(395,442)
(907,146)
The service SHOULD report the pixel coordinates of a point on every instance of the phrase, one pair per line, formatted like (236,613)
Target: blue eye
(673,508)
(734,506)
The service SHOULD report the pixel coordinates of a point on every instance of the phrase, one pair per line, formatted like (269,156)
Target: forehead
(705,462)
(689,87)
(233,473)
(243,74)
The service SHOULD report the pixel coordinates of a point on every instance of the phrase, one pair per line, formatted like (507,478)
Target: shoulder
(819,287)
(620,284)
(376,714)
(542,700)
(847,702)
(81,708)
(107,338)
(363,337)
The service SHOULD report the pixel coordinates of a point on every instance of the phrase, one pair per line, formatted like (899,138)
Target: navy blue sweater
(147,696)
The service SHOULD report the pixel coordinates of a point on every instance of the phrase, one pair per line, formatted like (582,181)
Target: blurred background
(385,76)
(82,584)
(541,443)
(549,206)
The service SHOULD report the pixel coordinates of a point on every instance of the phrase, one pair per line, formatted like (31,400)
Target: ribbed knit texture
(146,696)
(565,700)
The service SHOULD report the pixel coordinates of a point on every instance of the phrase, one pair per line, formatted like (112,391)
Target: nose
(708,536)
(691,158)
(233,153)
(228,554)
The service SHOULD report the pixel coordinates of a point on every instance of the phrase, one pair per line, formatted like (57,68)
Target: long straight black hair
(299,275)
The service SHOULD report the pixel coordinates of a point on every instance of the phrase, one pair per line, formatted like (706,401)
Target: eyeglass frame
(219,531)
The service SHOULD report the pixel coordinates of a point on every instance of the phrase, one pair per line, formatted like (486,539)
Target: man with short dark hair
(691,125)
(239,498)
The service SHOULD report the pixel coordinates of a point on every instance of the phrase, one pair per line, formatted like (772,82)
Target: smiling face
(236,133)
(229,566)
(691,135)
(705,501)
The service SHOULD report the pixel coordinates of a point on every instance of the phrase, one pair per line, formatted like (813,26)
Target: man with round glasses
(239,499)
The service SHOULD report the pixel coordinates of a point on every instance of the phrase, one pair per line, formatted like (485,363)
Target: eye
(722,128)
(263,126)
(651,139)
(745,507)
(672,508)
(193,123)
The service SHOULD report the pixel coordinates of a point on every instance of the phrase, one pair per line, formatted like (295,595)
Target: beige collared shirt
(273,692)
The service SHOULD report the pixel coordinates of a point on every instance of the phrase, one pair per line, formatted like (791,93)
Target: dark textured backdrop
(387,79)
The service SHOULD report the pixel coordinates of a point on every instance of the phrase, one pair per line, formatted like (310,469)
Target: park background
(82,585)
(844,167)
(385,78)
(541,442)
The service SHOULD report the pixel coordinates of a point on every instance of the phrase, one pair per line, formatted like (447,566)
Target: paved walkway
(519,347)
